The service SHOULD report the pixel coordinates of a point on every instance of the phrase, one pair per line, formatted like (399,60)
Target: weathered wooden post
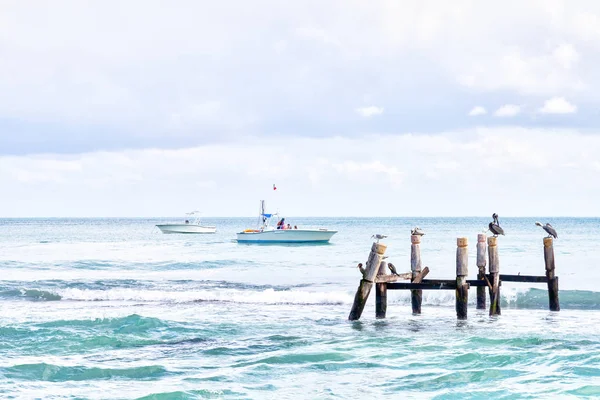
(481,250)
(364,288)
(416,295)
(462,270)
(495,276)
(550,274)
(381,292)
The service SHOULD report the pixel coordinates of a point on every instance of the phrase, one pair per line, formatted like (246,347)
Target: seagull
(548,228)
(494,226)
(361,269)
(392,268)
(417,231)
(378,236)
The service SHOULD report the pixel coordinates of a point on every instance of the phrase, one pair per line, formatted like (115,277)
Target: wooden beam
(462,271)
(365,285)
(392,278)
(416,296)
(523,278)
(423,286)
(550,274)
(481,263)
(381,291)
(494,268)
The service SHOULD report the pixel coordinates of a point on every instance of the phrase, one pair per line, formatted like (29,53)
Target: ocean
(114,309)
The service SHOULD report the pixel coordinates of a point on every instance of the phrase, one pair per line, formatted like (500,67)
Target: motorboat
(282,233)
(190,225)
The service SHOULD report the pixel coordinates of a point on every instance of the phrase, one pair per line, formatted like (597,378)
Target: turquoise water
(113,309)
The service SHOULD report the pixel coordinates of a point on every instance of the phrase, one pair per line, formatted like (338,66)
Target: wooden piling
(494,275)
(416,296)
(364,288)
(381,292)
(481,250)
(550,274)
(462,270)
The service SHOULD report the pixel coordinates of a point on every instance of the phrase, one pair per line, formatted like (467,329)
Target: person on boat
(187,221)
(295,226)
(280,224)
(288,226)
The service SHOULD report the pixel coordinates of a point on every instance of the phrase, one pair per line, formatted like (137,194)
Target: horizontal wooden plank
(449,284)
(523,278)
(422,285)
(392,278)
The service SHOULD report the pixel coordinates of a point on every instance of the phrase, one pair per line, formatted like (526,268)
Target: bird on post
(494,226)
(361,269)
(393,269)
(417,231)
(378,236)
(548,228)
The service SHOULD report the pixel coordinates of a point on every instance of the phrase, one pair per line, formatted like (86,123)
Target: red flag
(274,187)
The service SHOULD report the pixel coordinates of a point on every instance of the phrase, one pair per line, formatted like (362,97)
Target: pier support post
(416,295)
(364,288)
(381,293)
(462,270)
(494,275)
(481,250)
(550,274)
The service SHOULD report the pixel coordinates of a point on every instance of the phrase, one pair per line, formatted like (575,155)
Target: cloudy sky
(353,108)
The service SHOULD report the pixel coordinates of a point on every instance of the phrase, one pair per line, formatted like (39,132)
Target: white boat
(189,226)
(269,234)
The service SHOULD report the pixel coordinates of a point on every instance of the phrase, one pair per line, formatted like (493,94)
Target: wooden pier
(376,273)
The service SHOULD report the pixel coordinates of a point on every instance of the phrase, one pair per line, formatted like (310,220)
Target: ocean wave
(57,373)
(267,296)
(121,323)
(30,294)
(208,291)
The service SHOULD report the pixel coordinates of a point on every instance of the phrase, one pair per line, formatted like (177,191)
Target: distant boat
(191,225)
(265,233)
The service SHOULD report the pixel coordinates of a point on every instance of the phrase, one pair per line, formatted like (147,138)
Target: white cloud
(558,105)
(477,110)
(317,176)
(368,112)
(270,66)
(508,110)
(566,55)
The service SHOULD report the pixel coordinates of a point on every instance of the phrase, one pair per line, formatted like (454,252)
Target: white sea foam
(268,296)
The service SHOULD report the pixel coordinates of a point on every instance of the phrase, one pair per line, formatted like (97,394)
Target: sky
(352,108)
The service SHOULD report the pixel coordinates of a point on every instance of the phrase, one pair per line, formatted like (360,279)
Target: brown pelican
(494,226)
(392,268)
(378,236)
(417,231)
(548,228)
(361,269)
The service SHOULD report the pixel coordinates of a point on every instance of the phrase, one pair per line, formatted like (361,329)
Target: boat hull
(286,236)
(186,228)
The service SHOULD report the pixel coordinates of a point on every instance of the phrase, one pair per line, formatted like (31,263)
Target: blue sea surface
(114,309)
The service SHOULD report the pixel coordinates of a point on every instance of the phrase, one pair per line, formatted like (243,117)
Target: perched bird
(496,229)
(548,228)
(417,231)
(378,236)
(494,226)
(392,268)
(361,269)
